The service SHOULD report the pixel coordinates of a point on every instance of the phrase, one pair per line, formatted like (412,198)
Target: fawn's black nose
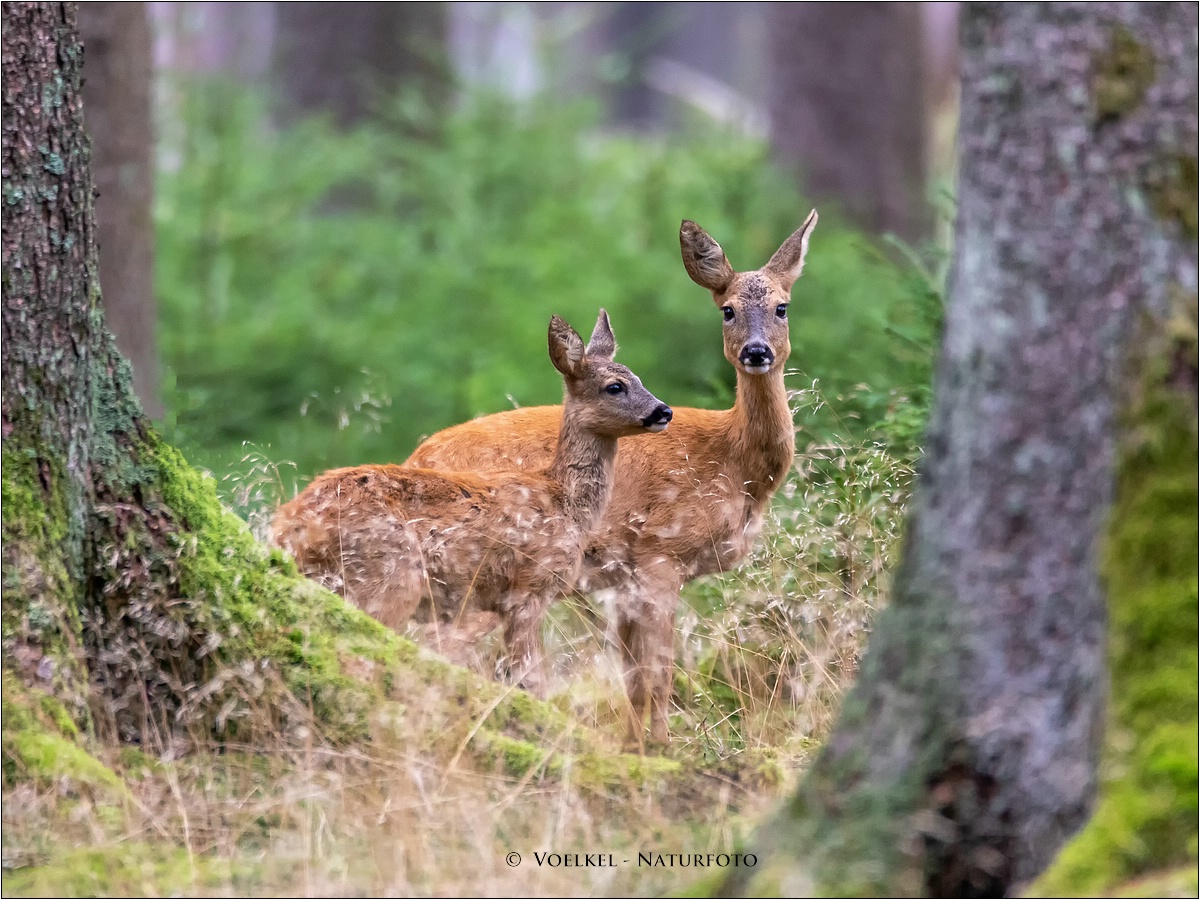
(661,416)
(756,356)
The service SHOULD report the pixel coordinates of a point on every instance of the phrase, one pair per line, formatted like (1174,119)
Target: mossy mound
(41,742)
(227,639)
(128,870)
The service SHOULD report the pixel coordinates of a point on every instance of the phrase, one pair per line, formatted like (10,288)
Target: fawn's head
(606,398)
(754,304)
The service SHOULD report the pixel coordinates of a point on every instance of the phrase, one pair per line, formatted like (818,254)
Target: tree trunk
(130,596)
(340,57)
(117,95)
(49,266)
(846,102)
(967,752)
(636,32)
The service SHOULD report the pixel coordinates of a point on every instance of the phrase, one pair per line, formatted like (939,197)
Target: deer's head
(754,304)
(605,397)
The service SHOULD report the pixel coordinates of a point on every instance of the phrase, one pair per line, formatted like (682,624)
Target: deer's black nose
(756,355)
(661,416)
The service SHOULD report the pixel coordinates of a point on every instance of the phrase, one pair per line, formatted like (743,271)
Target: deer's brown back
(467,541)
(677,496)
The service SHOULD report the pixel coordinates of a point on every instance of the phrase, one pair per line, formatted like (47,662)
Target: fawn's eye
(615,388)
(728,311)
(781,311)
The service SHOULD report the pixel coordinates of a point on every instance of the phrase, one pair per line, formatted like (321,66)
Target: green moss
(1146,816)
(128,870)
(592,769)
(710,886)
(41,742)
(600,770)
(1121,75)
(237,616)
(511,755)
(41,628)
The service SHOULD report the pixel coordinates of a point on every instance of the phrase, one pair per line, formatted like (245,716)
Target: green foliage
(331,297)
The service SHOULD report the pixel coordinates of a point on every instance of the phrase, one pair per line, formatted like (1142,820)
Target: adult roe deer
(388,537)
(685,505)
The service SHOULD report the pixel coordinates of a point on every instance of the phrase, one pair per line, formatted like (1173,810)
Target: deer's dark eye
(615,388)
(728,311)
(781,311)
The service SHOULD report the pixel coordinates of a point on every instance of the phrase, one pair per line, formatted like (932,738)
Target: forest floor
(455,784)
(384,817)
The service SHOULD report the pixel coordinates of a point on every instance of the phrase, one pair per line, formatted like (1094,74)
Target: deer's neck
(583,464)
(762,436)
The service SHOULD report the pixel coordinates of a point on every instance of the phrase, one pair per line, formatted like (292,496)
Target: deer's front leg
(646,634)
(523,641)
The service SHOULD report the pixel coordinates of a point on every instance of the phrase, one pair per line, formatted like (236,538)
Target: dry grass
(765,653)
(381,819)
(764,656)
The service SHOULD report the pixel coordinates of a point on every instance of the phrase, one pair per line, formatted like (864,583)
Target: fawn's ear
(566,347)
(703,258)
(788,261)
(603,344)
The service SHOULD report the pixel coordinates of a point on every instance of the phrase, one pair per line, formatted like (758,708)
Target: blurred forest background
(364,214)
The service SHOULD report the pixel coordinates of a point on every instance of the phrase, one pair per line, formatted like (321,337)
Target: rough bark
(117,99)
(50,292)
(846,103)
(340,58)
(966,754)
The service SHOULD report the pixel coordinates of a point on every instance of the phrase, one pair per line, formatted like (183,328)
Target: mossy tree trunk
(967,752)
(90,543)
(130,595)
(51,358)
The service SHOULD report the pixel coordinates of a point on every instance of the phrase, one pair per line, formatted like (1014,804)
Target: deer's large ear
(788,261)
(603,344)
(703,258)
(566,347)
